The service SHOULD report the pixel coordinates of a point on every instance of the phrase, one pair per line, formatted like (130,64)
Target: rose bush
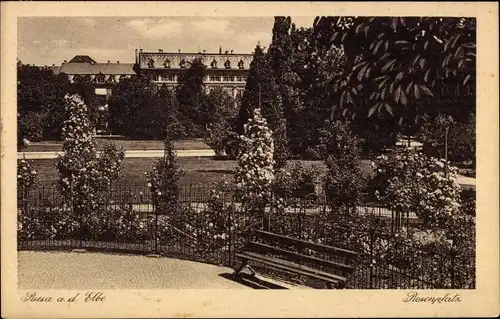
(26,178)
(410,181)
(255,171)
(85,179)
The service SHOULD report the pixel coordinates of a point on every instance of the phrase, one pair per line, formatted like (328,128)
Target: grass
(51,146)
(197,170)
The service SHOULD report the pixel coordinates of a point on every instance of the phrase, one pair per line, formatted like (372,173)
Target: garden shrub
(410,181)
(163,182)
(255,171)
(296,180)
(26,179)
(85,179)
(341,154)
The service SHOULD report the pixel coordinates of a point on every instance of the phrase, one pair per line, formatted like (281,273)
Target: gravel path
(69,270)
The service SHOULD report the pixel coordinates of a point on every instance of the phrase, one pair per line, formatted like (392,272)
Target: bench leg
(237,271)
(251,270)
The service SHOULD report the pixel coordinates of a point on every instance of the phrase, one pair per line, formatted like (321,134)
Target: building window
(213,64)
(214,78)
(156,78)
(169,77)
(227,78)
(167,63)
(151,63)
(241,64)
(227,64)
(183,63)
(100,78)
(240,78)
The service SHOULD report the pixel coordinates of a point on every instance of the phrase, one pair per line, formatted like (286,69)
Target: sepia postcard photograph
(249,159)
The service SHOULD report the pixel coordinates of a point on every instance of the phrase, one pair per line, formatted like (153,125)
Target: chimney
(226,52)
(179,50)
(53,64)
(140,50)
(65,61)
(109,61)
(220,50)
(231,51)
(160,50)
(117,62)
(204,51)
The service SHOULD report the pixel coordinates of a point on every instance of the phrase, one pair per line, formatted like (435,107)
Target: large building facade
(102,75)
(226,69)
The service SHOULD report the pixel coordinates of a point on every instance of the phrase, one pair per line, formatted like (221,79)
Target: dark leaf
(399,77)
(388,65)
(426,90)
(416,91)
(426,76)
(467,78)
(389,109)
(397,94)
(404,100)
(377,47)
(372,110)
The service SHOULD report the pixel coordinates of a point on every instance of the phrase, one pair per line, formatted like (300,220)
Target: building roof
(82,59)
(159,60)
(96,68)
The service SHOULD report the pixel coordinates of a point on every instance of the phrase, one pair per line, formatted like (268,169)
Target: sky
(51,40)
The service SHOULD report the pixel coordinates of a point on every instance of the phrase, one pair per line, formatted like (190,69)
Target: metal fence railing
(197,229)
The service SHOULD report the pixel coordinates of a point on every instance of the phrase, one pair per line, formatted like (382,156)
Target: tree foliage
(40,102)
(405,67)
(262,92)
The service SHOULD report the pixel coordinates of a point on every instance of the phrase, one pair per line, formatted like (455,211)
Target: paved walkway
(68,270)
(129,153)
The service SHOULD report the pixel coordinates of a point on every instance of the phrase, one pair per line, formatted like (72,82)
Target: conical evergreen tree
(262,92)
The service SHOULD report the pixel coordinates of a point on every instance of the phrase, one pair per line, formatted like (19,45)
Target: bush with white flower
(255,172)
(85,179)
(220,218)
(163,181)
(26,178)
(410,181)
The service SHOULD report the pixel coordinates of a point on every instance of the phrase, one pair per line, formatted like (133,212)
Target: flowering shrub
(412,182)
(219,218)
(84,179)
(255,172)
(47,223)
(26,178)
(163,181)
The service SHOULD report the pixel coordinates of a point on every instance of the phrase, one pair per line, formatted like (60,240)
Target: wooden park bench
(328,264)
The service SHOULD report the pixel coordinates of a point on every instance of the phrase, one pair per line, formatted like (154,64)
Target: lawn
(51,146)
(197,170)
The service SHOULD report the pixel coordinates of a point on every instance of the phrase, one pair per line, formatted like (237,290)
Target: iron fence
(128,220)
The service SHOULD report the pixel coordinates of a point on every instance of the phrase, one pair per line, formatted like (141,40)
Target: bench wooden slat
(319,261)
(304,270)
(306,244)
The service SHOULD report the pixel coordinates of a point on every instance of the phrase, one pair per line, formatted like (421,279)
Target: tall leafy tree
(281,61)
(132,99)
(40,101)
(262,92)
(402,68)
(192,98)
(85,88)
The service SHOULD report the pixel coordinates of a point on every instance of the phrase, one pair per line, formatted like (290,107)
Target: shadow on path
(251,281)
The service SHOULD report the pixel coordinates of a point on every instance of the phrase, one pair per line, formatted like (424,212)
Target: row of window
(211,78)
(184,64)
